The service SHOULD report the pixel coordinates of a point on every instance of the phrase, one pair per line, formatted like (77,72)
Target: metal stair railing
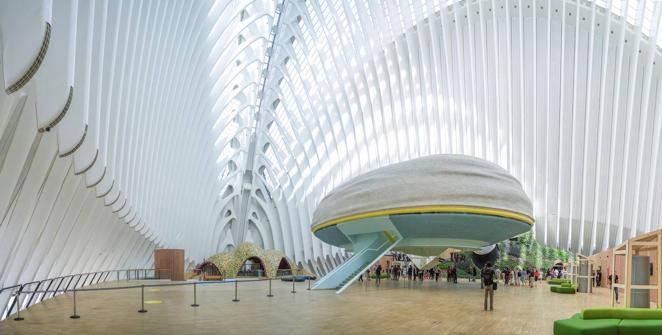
(351,261)
(388,247)
(347,263)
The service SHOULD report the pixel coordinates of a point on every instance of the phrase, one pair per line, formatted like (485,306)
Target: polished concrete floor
(394,307)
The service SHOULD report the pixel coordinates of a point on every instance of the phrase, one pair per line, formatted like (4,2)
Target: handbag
(494,286)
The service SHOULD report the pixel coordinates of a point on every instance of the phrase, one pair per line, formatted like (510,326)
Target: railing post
(118,275)
(75,316)
(293,281)
(18,305)
(235,291)
(195,295)
(142,290)
(270,295)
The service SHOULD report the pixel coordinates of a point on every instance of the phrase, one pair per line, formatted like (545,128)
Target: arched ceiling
(562,94)
(203,124)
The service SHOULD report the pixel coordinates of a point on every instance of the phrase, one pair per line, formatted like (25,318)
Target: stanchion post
(270,295)
(293,281)
(75,316)
(118,276)
(308,283)
(18,307)
(142,289)
(235,291)
(195,296)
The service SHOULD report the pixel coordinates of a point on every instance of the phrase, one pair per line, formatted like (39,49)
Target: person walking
(378,274)
(522,277)
(487,278)
(615,281)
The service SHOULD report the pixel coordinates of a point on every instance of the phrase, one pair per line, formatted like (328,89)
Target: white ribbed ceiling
(204,124)
(560,93)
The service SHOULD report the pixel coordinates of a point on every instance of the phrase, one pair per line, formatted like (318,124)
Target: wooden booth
(637,263)
(580,271)
(169,264)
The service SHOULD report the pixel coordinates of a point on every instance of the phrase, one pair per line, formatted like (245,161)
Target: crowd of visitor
(489,276)
(526,276)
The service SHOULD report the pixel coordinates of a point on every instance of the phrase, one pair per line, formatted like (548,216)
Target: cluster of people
(556,273)
(517,277)
(411,272)
(378,274)
(393,272)
(514,277)
(451,275)
(489,276)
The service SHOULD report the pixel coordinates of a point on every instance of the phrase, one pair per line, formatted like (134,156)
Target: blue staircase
(367,248)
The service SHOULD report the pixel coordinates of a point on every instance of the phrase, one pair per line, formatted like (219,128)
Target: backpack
(488,276)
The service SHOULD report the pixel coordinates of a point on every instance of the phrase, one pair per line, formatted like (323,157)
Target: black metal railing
(24,295)
(195,284)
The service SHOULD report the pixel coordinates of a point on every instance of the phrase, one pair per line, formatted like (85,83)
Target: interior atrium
(330,166)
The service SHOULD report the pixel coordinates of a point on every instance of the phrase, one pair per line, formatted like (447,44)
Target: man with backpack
(487,276)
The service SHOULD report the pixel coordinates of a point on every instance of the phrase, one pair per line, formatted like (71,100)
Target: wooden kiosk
(639,261)
(576,276)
